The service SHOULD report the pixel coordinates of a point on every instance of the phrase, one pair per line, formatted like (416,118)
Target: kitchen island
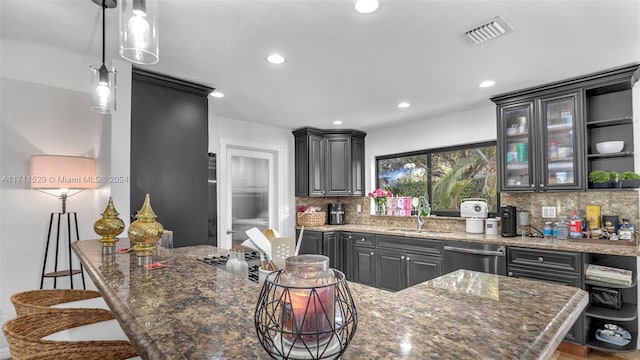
(191,310)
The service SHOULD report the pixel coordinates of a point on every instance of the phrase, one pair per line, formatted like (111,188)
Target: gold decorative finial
(109,226)
(145,231)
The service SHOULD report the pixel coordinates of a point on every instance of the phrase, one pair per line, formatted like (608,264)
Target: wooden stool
(24,335)
(41,301)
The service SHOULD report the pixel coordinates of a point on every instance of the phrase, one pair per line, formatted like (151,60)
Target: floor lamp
(62,177)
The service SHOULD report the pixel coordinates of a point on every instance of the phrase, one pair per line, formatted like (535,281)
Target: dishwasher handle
(499,252)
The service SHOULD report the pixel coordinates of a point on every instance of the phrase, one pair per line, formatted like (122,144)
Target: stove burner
(220,262)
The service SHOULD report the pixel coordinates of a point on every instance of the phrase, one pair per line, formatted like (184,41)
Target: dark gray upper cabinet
(329,162)
(540,142)
(547,134)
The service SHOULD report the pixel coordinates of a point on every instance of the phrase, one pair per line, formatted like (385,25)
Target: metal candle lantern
(305,311)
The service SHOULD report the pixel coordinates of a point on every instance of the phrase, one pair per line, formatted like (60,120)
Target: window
(444,176)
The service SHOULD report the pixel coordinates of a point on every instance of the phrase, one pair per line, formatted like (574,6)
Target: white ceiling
(349,66)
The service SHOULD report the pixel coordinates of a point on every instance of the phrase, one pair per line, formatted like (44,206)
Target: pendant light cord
(103,21)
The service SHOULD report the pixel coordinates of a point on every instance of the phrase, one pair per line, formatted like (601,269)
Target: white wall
(244,131)
(45,110)
(465,127)
(42,120)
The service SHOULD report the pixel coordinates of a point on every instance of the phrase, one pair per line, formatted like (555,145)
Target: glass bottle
(241,268)
(231,262)
(563,228)
(547,231)
(625,232)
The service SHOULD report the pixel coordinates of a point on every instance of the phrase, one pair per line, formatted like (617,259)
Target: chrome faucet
(423,204)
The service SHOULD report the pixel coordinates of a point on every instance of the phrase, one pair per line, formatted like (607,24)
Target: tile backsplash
(624,203)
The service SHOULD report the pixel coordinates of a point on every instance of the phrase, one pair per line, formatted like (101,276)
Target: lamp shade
(63,172)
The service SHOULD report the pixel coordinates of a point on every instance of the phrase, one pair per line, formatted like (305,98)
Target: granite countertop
(622,248)
(191,310)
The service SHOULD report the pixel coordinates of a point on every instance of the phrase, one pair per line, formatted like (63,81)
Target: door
(338,168)
(516,146)
(562,145)
(250,191)
(422,268)
(390,270)
(364,269)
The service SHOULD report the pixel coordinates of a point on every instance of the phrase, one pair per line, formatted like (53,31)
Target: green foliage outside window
(444,176)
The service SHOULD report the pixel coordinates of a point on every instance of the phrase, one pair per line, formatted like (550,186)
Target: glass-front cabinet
(518,146)
(562,145)
(540,142)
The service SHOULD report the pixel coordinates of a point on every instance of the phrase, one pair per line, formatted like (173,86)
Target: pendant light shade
(103,79)
(103,83)
(139,31)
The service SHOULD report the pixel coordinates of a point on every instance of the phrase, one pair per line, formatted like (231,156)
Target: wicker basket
(311,219)
(40,301)
(24,335)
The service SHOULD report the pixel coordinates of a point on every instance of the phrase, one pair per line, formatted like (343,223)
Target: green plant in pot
(629,179)
(599,179)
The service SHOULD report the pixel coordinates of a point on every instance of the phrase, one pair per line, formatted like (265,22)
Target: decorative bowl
(609,147)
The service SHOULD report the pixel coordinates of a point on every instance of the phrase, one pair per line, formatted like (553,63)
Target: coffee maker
(336,213)
(508,225)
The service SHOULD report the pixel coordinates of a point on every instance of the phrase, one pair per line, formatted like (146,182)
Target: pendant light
(139,31)
(103,79)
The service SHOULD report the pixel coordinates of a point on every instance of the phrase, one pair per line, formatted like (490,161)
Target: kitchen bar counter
(621,248)
(191,310)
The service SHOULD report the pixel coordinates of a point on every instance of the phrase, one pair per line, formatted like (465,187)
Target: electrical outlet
(358,208)
(548,212)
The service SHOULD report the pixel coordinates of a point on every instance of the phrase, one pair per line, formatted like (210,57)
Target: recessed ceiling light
(276,59)
(216,94)
(403,105)
(366,6)
(487,83)
(337,122)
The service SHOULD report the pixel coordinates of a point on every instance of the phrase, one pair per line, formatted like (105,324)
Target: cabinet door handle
(408,258)
(533,185)
(401,257)
(510,273)
(349,237)
(372,253)
(540,259)
(363,239)
(541,185)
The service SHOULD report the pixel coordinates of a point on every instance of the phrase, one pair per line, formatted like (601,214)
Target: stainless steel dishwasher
(488,258)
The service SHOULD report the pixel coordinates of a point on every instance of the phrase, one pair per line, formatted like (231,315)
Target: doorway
(250,190)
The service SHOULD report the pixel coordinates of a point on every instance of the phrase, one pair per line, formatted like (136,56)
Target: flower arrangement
(380,198)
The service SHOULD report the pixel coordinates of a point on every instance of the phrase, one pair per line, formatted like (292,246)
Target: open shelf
(610,122)
(614,155)
(609,285)
(627,312)
(605,346)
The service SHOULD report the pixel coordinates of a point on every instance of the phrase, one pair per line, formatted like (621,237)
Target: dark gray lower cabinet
(323,243)
(397,270)
(363,265)
(421,268)
(311,242)
(553,266)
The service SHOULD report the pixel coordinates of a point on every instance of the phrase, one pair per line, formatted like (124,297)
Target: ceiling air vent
(487,30)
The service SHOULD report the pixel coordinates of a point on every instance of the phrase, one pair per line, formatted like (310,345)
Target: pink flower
(379,193)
